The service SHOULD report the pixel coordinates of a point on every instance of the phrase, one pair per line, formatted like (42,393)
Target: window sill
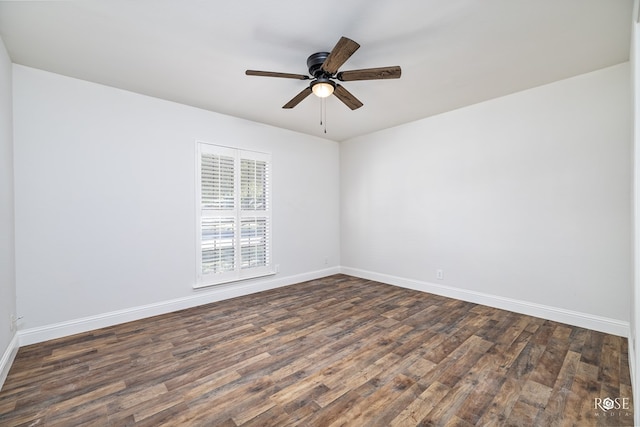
(230,280)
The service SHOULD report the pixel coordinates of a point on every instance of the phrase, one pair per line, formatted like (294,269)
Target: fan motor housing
(314,63)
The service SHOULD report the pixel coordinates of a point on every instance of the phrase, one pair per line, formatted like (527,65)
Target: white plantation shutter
(254,206)
(218,248)
(253,242)
(234,226)
(254,177)
(217,178)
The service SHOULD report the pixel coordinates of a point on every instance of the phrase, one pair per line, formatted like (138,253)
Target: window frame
(238,273)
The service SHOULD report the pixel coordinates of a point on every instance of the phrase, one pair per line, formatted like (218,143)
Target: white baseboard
(202,296)
(7,359)
(209,295)
(583,320)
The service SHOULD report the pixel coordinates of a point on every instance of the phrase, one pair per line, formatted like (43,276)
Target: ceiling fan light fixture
(323,88)
(325,66)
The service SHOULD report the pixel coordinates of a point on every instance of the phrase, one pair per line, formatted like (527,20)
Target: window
(234,216)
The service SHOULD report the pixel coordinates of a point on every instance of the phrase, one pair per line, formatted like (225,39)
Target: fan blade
(299,97)
(345,96)
(339,55)
(370,74)
(272,74)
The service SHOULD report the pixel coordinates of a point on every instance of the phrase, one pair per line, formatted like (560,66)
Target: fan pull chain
(323,113)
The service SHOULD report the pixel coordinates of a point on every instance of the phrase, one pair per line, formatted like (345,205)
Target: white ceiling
(452,52)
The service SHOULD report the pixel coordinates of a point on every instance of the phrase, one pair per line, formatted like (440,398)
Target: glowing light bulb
(322,89)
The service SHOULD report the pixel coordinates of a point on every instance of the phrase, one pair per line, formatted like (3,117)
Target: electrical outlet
(326,260)
(439,274)
(277,268)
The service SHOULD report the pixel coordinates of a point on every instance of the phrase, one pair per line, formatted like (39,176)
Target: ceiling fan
(323,69)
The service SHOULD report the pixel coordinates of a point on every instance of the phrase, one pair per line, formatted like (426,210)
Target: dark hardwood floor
(338,351)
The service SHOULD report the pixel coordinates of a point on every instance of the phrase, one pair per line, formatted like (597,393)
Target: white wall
(634,354)
(522,201)
(105,203)
(7,248)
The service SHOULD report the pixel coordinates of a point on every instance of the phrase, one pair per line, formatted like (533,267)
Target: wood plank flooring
(338,351)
